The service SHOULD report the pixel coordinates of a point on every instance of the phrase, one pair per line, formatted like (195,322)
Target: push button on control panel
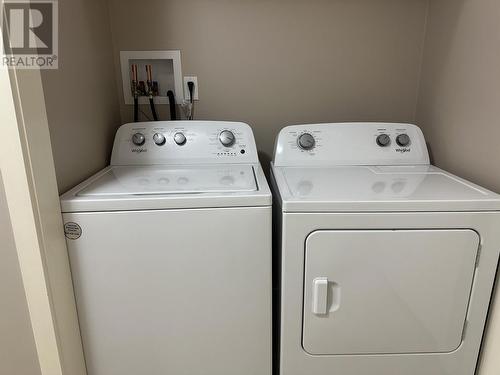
(383,140)
(403,140)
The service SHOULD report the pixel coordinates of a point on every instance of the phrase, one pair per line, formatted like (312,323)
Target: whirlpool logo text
(403,150)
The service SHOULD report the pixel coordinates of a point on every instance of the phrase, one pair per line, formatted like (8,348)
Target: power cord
(191,98)
(171,102)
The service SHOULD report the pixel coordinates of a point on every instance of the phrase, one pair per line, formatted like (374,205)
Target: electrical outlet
(186,88)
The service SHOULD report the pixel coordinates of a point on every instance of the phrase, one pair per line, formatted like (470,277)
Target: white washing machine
(387,262)
(170,251)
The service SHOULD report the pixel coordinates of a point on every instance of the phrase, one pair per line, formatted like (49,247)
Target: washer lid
(127,188)
(133,180)
(382,188)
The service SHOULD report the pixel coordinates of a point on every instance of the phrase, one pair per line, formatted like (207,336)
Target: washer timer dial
(227,138)
(138,139)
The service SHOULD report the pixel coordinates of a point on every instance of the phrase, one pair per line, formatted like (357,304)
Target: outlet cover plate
(186,88)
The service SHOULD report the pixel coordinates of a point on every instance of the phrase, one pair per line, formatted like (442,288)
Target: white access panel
(387,291)
(174,292)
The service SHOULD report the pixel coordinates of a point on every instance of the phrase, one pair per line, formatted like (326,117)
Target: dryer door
(387,291)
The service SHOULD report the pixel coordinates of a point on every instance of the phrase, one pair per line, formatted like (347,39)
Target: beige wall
(18,353)
(81,101)
(277,62)
(459,101)
(459,106)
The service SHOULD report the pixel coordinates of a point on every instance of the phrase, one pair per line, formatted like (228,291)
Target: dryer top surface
(379,188)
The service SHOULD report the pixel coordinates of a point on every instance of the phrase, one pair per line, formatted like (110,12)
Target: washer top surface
(348,167)
(175,164)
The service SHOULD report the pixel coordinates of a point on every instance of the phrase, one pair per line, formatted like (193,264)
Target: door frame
(27,167)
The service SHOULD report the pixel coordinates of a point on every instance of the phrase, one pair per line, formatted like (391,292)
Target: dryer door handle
(320,296)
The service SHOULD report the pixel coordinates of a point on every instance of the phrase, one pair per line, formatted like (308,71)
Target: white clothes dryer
(386,262)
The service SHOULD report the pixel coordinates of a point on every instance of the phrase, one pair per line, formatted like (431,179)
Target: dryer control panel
(184,142)
(351,144)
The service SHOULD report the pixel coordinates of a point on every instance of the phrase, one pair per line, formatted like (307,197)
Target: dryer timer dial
(306,141)
(383,140)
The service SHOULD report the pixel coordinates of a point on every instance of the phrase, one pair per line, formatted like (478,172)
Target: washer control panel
(184,142)
(351,144)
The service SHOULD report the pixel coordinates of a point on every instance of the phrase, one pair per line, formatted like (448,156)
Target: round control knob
(383,140)
(403,140)
(159,139)
(138,139)
(306,141)
(227,138)
(180,139)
